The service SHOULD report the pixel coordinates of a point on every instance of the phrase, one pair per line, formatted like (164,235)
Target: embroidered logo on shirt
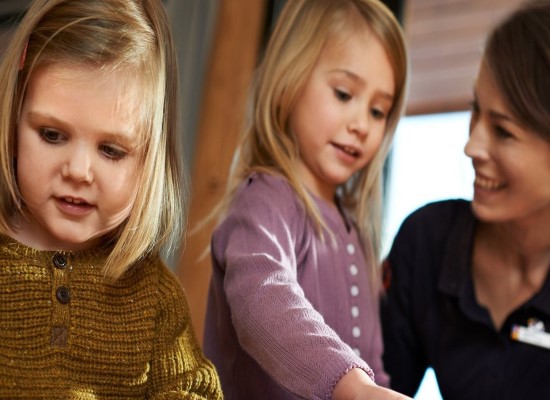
(534,333)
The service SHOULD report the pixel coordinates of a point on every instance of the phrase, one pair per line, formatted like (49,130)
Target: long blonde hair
(302,29)
(115,35)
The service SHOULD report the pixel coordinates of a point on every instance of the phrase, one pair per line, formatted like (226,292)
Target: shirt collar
(455,277)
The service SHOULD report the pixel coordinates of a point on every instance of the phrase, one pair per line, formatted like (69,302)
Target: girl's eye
(50,135)
(113,152)
(378,114)
(342,95)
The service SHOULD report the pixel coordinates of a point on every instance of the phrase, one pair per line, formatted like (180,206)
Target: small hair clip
(23,56)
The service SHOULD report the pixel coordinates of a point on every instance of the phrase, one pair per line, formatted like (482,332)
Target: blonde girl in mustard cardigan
(91,189)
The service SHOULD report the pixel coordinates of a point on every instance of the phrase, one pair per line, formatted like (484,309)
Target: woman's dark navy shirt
(430,316)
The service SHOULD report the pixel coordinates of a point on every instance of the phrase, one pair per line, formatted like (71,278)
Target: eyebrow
(118,137)
(500,116)
(497,114)
(358,79)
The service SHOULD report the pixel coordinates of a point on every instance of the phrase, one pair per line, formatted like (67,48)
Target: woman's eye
(502,133)
(50,135)
(342,95)
(113,152)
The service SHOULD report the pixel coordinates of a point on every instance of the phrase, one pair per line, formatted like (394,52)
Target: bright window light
(427,163)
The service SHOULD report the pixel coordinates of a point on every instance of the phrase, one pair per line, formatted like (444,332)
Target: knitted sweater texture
(288,313)
(66,332)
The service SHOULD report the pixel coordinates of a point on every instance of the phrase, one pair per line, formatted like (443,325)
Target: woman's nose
(477,146)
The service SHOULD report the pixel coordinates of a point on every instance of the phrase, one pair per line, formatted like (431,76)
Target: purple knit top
(288,313)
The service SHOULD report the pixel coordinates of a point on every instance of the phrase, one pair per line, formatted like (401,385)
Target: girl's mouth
(74,206)
(74,201)
(352,151)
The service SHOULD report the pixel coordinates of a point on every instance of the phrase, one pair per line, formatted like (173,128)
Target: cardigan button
(354,311)
(63,294)
(60,261)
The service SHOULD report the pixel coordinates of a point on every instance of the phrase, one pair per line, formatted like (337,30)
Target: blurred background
(219,43)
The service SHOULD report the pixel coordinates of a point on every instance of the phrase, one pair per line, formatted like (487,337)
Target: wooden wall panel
(445,39)
(239,31)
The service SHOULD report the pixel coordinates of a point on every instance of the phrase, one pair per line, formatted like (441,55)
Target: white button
(353,269)
(354,290)
(351,248)
(357,352)
(354,311)
(356,332)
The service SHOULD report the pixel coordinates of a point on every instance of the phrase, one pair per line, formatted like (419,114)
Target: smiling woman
(468,283)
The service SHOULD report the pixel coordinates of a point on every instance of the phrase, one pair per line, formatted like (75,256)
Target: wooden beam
(239,32)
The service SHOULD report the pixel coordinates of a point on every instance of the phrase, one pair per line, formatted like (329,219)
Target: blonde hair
(302,29)
(129,35)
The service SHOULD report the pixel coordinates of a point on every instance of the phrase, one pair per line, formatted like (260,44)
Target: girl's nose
(359,124)
(78,166)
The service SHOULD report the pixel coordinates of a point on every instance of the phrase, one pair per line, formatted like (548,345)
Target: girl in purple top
(292,309)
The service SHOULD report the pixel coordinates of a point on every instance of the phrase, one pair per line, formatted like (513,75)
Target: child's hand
(356,385)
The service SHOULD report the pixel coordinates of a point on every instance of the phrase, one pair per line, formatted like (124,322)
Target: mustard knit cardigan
(67,333)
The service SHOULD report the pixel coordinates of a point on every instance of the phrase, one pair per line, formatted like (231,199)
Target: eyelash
(378,114)
(46,133)
(345,97)
(112,153)
(499,130)
(342,95)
